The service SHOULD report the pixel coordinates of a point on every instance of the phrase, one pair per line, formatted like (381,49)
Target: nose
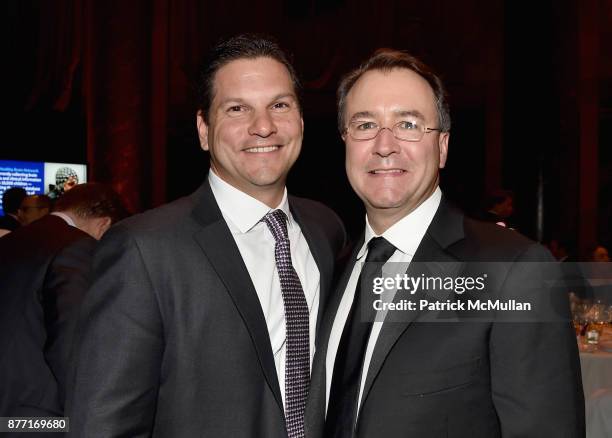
(385,143)
(262,124)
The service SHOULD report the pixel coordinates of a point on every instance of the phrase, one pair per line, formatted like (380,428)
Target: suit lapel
(320,249)
(216,241)
(445,229)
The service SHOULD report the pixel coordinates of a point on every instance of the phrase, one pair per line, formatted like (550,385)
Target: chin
(383,199)
(267,178)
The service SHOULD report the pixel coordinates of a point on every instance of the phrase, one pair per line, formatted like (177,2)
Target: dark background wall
(108,83)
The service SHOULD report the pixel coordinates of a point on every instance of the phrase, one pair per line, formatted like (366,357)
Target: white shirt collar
(242,210)
(64,216)
(407,233)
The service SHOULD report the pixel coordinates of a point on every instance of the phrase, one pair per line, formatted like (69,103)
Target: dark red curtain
(127,66)
(135,59)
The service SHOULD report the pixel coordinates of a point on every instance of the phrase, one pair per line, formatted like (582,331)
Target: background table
(596,371)
(597,384)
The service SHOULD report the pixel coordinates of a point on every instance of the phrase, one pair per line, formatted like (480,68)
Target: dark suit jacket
(175,343)
(44,272)
(466,379)
(8,222)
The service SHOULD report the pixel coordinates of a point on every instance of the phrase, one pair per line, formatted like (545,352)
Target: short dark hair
(41,201)
(92,200)
(387,60)
(11,199)
(244,46)
(494,197)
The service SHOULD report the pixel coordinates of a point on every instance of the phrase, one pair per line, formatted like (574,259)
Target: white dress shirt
(243,215)
(66,218)
(405,235)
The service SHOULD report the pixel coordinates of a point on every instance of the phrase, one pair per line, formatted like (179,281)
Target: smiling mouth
(387,171)
(262,149)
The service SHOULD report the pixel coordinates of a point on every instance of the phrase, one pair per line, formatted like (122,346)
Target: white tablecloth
(599,414)
(596,371)
(597,384)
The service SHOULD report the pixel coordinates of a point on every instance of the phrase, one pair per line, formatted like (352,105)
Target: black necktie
(297,367)
(342,408)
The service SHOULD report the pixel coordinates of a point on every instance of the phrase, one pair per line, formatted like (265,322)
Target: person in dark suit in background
(411,376)
(498,208)
(32,208)
(203,314)
(11,200)
(44,274)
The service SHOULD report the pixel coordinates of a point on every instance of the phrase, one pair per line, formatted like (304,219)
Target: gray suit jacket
(464,378)
(174,341)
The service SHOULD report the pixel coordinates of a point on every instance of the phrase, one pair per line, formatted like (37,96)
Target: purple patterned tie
(297,367)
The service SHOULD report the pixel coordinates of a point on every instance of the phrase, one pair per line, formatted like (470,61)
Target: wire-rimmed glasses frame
(414,134)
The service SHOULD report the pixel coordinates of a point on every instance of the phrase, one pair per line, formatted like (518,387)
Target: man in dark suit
(44,273)
(32,208)
(11,200)
(202,318)
(409,374)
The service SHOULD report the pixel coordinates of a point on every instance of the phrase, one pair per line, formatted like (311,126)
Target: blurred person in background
(11,200)
(44,274)
(600,254)
(32,208)
(498,208)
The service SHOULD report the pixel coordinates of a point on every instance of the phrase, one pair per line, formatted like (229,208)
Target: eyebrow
(405,113)
(362,115)
(285,95)
(396,113)
(274,99)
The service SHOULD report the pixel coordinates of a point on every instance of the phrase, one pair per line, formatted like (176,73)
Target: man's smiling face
(255,128)
(393,176)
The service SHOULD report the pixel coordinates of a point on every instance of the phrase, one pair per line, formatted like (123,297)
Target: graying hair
(387,60)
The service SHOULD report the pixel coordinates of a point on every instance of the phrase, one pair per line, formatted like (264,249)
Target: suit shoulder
(325,217)
(166,217)
(305,204)
(46,235)
(497,243)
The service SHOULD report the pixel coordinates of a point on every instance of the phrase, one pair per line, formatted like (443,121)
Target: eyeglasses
(407,130)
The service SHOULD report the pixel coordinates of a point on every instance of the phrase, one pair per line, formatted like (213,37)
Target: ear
(101,226)
(443,147)
(202,131)
(344,134)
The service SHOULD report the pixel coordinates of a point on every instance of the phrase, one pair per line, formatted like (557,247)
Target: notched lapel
(219,246)
(321,252)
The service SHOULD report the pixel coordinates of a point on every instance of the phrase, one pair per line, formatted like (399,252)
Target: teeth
(387,171)
(262,149)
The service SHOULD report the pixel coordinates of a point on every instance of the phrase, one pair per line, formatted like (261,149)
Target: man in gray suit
(203,315)
(412,374)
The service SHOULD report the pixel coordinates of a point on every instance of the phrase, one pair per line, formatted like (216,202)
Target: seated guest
(498,208)
(44,273)
(11,200)
(600,254)
(599,273)
(32,208)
